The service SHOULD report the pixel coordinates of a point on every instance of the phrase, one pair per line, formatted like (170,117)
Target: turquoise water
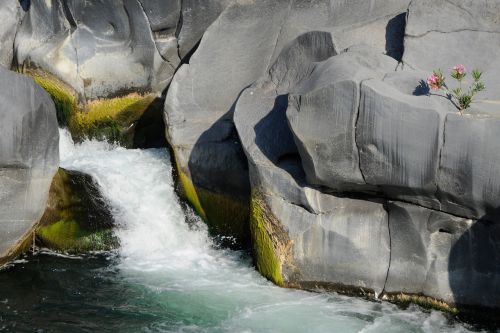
(168,275)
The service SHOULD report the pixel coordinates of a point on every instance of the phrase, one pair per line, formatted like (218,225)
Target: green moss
(76,218)
(110,118)
(226,216)
(188,191)
(69,236)
(63,96)
(267,260)
(423,301)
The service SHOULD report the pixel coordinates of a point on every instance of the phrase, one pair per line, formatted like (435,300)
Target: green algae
(266,257)
(64,97)
(68,236)
(226,216)
(110,119)
(76,218)
(422,301)
(106,118)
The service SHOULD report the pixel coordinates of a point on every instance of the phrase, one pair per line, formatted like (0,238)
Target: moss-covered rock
(111,118)
(64,97)
(77,218)
(227,217)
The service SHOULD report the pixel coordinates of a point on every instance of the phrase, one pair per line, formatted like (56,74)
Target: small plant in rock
(460,96)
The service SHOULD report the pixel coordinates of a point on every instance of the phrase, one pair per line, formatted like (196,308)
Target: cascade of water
(203,288)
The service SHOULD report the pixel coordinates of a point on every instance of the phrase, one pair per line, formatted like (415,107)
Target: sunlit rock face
(350,156)
(10,19)
(99,48)
(29,158)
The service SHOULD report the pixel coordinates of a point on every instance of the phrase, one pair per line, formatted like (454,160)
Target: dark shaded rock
(29,158)
(443,256)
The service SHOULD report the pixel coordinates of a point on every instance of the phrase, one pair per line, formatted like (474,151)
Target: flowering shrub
(462,98)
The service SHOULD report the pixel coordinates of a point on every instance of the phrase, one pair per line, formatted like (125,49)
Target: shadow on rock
(219,172)
(275,139)
(474,269)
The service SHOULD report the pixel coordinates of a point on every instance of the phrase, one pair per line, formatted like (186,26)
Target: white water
(194,287)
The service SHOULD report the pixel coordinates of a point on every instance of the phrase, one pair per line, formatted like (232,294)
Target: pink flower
(434,81)
(460,69)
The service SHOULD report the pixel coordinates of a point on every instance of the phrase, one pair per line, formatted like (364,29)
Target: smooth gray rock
(441,34)
(10,18)
(99,48)
(164,19)
(198,110)
(335,241)
(196,17)
(29,156)
(469,175)
(323,116)
(443,256)
(399,139)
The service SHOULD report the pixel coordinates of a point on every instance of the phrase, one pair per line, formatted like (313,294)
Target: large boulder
(242,45)
(10,18)
(29,158)
(101,61)
(336,136)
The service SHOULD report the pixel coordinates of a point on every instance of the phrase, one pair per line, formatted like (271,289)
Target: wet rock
(77,218)
(29,158)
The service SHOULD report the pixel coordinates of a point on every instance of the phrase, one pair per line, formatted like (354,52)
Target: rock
(99,62)
(10,18)
(197,16)
(440,34)
(469,171)
(99,48)
(77,218)
(443,256)
(198,109)
(237,49)
(29,158)
(323,117)
(302,236)
(164,20)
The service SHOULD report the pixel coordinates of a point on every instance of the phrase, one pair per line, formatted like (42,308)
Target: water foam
(199,287)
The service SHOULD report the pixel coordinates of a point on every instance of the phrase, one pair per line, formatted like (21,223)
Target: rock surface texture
(10,19)
(29,158)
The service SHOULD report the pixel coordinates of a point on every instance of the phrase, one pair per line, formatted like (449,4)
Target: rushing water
(168,276)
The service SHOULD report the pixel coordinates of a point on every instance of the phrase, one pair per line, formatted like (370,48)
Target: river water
(168,275)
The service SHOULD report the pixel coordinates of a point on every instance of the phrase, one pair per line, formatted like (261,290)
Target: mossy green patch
(107,118)
(188,191)
(70,237)
(226,216)
(76,218)
(265,252)
(110,119)
(423,301)
(64,96)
